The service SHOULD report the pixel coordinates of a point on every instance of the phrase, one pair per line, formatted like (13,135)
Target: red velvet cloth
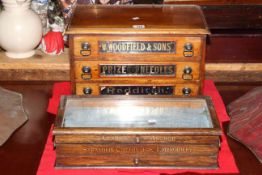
(225,159)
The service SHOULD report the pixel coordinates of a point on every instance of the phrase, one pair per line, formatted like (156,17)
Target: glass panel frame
(133,113)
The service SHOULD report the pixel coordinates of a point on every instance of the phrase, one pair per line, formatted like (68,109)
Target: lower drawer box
(137,161)
(137,89)
(136,149)
(136,155)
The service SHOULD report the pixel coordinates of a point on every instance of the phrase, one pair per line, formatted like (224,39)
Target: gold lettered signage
(136,149)
(137,70)
(153,139)
(137,90)
(137,46)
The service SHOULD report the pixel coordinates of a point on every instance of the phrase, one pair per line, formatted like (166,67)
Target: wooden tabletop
(169,19)
(40,67)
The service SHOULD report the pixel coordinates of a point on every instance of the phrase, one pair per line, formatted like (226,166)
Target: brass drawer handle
(188,50)
(137,139)
(86,69)
(186,91)
(136,161)
(188,47)
(85,52)
(86,49)
(86,75)
(187,70)
(187,73)
(87,91)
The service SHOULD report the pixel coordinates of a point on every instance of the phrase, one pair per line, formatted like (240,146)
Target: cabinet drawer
(137,161)
(137,89)
(136,149)
(109,138)
(137,47)
(115,71)
(136,155)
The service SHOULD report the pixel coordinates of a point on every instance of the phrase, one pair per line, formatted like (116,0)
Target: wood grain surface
(56,68)
(178,88)
(196,40)
(40,67)
(133,19)
(100,138)
(213,2)
(96,72)
(142,147)
(142,161)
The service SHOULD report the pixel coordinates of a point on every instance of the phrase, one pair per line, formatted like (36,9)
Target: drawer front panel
(117,47)
(137,89)
(73,138)
(135,149)
(137,161)
(115,71)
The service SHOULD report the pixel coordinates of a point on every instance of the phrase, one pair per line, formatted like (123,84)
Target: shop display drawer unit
(137,45)
(136,131)
(138,89)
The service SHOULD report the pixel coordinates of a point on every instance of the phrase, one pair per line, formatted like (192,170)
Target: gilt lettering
(137,46)
(136,70)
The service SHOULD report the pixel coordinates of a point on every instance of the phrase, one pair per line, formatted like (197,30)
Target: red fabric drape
(225,159)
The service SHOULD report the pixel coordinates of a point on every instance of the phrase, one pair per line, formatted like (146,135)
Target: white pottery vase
(20,29)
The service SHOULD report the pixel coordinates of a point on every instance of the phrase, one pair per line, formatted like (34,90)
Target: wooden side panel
(235,48)
(235,17)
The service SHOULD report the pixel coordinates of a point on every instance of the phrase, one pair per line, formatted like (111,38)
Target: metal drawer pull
(188,50)
(186,91)
(87,91)
(86,49)
(136,161)
(187,75)
(137,139)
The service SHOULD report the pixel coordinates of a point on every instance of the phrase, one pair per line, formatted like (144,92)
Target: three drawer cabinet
(137,50)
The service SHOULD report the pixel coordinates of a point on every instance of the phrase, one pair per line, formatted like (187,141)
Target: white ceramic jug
(20,29)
